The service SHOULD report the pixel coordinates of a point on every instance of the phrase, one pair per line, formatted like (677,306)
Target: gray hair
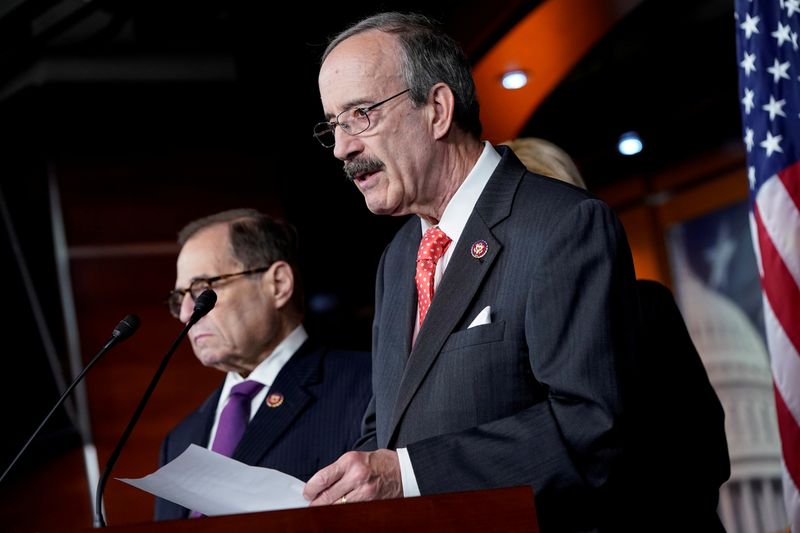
(256,239)
(429,56)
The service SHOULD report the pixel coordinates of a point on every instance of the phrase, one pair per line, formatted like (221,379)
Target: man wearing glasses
(505,311)
(285,403)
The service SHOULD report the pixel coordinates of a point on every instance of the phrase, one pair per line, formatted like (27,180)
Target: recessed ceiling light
(514,79)
(629,143)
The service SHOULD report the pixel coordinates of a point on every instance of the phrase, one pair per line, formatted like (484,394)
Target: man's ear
(443,102)
(279,281)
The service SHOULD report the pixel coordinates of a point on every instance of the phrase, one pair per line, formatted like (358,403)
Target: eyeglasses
(352,121)
(197,286)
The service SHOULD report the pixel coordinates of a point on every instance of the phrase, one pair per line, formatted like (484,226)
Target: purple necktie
(233,420)
(235,417)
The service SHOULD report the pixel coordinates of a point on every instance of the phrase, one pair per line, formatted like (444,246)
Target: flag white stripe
(785,362)
(756,247)
(781,221)
(791,498)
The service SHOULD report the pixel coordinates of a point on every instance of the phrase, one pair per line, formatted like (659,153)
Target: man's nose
(187,308)
(346,145)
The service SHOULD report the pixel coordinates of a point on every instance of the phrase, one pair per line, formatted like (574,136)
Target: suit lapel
(457,288)
(460,283)
(269,423)
(204,419)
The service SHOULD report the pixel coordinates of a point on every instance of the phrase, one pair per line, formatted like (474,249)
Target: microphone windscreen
(204,303)
(126,327)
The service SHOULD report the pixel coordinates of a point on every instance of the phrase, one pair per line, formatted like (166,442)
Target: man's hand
(356,477)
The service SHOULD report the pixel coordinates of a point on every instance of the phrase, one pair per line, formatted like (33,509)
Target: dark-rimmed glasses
(352,121)
(198,285)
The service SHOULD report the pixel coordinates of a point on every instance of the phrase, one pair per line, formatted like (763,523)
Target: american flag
(769,88)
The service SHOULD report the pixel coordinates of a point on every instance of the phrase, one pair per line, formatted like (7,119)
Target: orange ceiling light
(546,44)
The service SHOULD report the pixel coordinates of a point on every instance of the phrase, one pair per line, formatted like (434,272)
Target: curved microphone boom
(126,327)
(202,306)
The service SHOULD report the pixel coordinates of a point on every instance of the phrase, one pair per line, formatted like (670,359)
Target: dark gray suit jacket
(535,397)
(325,394)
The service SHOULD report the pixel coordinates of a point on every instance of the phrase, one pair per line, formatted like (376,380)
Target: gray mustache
(359,166)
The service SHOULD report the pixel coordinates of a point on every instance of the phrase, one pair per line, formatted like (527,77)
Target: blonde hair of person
(544,157)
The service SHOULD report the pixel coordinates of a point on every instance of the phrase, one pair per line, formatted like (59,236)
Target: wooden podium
(508,510)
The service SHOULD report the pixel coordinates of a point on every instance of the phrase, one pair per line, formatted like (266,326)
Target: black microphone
(126,327)
(202,306)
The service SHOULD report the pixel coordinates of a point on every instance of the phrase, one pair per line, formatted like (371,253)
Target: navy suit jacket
(536,396)
(325,394)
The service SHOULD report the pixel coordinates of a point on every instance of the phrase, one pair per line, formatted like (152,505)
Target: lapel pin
(479,249)
(275,399)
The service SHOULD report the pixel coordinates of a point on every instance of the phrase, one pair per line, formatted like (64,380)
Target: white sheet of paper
(213,484)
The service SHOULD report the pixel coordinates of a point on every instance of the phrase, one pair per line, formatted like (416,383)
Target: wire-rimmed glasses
(352,121)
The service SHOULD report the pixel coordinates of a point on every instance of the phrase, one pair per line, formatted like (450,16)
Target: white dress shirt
(265,373)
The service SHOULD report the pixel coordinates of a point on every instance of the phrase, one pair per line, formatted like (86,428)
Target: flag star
(750,25)
(774,107)
(772,144)
(793,36)
(778,70)
(782,34)
(751,176)
(792,7)
(748,63)
(747,101)
(748,139)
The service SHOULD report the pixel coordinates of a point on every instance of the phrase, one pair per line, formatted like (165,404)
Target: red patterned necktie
(431,249)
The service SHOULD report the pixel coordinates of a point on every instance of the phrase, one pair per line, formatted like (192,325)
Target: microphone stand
(124,329)
(200,310)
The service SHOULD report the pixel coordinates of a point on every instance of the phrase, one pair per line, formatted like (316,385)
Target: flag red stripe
(790,438)
(790,177)
(779,285)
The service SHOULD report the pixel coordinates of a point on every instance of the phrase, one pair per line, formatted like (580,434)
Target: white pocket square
(484,317)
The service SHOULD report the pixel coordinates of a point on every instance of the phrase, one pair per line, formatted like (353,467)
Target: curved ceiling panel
(546,44)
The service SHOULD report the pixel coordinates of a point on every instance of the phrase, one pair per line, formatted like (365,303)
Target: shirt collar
(268,369)
(460,206)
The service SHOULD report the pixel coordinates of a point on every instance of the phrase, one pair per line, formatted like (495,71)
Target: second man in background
(286,402)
